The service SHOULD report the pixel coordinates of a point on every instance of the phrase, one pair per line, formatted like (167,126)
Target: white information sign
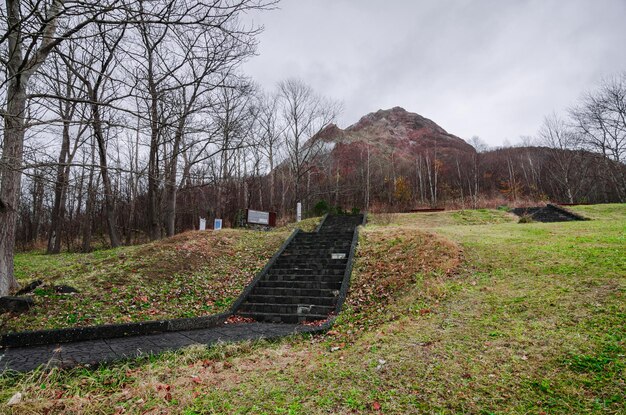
(299,212)
(202,224)
(217,224)
(258,217)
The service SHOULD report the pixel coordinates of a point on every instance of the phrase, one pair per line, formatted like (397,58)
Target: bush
(322,207)
(526,219)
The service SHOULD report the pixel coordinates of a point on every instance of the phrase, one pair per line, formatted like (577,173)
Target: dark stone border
(319,225)
(246,292)
(108,331)
(567,212)
(536,213)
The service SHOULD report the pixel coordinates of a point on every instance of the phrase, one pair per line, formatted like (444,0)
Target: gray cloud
(491,68)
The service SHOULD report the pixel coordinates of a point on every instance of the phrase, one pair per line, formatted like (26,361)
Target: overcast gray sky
(492,68)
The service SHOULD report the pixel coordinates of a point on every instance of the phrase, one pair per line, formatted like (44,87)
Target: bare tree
(305,115)
(64,84)
(209,59)
(232,118)
(567,166)
(32,30)
(600,118)
(271,132)
(94,69)
(474,176)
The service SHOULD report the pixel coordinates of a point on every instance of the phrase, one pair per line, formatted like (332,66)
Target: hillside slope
(452,312)
(190,274)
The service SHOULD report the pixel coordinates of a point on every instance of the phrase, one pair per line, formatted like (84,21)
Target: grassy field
(452,312)
(191,274)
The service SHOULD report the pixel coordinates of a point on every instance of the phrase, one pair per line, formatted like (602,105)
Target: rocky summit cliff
(396,133)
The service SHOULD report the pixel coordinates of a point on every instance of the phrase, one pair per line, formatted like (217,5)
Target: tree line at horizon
(127,121)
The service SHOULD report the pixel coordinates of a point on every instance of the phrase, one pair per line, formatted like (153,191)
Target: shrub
(526,219)
(322,207)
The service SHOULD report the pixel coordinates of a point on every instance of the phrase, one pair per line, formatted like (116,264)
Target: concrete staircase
(305,281)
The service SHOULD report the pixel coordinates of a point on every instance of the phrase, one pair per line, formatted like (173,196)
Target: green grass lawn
(451,312)
(191,274)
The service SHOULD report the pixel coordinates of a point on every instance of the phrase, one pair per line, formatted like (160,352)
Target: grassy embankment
(453,312)
(191,274)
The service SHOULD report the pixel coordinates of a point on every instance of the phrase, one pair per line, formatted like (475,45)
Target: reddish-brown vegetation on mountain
(394,133)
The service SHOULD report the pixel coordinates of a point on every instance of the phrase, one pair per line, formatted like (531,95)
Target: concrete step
(284,299)
(295,292)
(283,318)
(292,277)
(308,284)
(308,266)
(305,271)
(311,262)
(297,309)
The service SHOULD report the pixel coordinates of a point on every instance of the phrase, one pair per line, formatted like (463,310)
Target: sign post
(299,212)
(258,217)
(217,224)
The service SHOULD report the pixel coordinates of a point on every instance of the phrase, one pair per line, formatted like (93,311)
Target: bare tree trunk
(367,186)
(170,193)
(272,178)
(10,167)
(104,172)
(60,192)
(431,170)
(282,201)
(18,74)
(91,196)
(153,162)
(512,180)
(337,186)
(38,191)
(134,183)
(169,211)
(246,200)
(476,179)
(458,169)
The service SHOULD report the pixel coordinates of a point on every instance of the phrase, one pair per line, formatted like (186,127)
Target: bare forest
(126,121)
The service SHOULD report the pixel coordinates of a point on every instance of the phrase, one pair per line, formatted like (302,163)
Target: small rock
(15,399)
(15,304)
(334,348)
(30,287)
(65,289)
